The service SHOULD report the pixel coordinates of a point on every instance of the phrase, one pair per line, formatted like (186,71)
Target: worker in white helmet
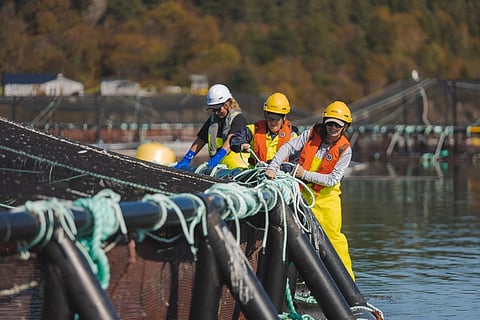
(226,118)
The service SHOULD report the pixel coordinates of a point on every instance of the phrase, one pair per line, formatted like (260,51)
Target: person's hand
(270,173)
(298,170)
(245,147)
(217,157)
(185,162)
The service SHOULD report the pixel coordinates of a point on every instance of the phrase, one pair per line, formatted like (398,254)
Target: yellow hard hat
(156,152)
(277,103)
(338,110)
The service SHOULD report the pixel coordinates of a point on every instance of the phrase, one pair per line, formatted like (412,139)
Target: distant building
(42,84)
(119,88)
(199,83)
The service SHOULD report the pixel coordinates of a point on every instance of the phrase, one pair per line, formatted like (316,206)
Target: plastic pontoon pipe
(313,270)
(337,269)
(234,266)
(275,277)
(340,274)
(55,297)
(85,295)
(137,214)
(207,286)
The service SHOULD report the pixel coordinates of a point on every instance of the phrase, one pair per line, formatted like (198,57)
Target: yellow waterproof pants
(328,211)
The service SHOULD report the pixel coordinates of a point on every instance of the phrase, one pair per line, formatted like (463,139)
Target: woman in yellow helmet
(266,136)
(324,154)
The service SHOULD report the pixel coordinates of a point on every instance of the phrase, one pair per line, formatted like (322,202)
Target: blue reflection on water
(414,235)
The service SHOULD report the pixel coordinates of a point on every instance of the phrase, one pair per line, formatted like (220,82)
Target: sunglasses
(215,110)
(329,124)
(273,118)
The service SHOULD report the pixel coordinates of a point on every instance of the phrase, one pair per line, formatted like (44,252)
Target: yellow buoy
(156,152)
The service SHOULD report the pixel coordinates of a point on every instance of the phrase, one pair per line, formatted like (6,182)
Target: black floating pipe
(313,270)
(276,279)
(137,215)
(55,301)
(292,276)
(207,285)
(262,266)
(87,298)
(18,226)
(143,215)
(234,266)
(339,273)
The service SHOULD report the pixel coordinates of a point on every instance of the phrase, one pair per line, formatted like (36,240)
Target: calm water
(414,233)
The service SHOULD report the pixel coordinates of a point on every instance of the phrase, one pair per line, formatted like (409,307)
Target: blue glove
(185,162)
(217,157)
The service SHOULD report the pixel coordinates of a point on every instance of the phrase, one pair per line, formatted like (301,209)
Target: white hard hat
(218,94)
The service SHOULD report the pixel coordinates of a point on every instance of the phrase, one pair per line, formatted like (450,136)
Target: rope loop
(369,308)
(46,212)
(293,314)
(165,204)
(107,220)
(239,204)
(161,201)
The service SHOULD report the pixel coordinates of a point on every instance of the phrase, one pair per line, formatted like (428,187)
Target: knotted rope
(107,220)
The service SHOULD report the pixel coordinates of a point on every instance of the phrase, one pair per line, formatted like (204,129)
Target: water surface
(414,234)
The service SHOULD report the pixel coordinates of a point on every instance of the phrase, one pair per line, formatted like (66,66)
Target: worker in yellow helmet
(226,118)
(324,154)
(266,136)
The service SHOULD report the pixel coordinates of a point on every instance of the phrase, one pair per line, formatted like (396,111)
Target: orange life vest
(329,160)
(260,137)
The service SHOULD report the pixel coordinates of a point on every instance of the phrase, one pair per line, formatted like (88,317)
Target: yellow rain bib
(328,211)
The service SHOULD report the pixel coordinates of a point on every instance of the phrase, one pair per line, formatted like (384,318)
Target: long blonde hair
(234,104)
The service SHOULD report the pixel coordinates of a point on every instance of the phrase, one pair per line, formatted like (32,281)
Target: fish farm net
(146,282)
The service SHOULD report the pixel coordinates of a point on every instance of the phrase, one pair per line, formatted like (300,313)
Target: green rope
(160,201)
(284,186)
(292,314)
(164,204)
(307,299)
(241,201)
(244,199)
(46,211)
(107,219)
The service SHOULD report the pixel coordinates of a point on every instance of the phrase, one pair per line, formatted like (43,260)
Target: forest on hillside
(315,51)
